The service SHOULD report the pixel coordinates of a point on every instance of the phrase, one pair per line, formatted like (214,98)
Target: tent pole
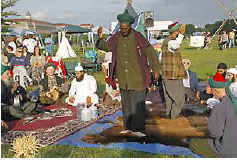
(92,39)
(59,37)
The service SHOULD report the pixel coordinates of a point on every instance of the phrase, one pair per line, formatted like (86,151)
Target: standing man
(173,71)
(231,39)
(130,55)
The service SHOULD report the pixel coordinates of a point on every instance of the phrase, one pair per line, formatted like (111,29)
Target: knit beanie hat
(217,81)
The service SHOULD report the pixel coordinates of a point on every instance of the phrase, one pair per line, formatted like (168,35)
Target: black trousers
(133,108)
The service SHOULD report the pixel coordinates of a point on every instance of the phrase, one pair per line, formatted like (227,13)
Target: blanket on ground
(51,126)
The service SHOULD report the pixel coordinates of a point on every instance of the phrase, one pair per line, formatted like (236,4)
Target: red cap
(218,78)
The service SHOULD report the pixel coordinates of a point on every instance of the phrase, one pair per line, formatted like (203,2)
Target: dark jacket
(6,96)
(141,47)
(194,83)
(44,82)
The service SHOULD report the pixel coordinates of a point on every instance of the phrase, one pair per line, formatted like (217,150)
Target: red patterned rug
(51,126)
(58,115)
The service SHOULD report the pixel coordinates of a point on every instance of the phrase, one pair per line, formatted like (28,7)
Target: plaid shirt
(171,63)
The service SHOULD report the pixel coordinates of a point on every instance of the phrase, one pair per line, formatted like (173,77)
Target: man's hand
(14,87)
(3,124)
(88,101)
(100,33)
(156,76)
(115,93)
(71,99)
(182,28)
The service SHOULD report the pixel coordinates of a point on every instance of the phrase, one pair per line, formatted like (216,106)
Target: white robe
(80,90)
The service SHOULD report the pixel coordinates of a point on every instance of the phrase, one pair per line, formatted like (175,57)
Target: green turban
(125,18)
(4,68)
(174,28)
(232,97)
(215,84)
(49,65)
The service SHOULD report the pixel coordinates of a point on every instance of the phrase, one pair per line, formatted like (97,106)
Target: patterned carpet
(51,126)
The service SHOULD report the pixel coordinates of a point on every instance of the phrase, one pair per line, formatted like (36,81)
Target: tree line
(229,26)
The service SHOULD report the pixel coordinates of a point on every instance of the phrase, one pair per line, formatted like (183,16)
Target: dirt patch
(158,130)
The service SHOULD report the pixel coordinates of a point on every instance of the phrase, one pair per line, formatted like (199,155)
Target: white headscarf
(233,86)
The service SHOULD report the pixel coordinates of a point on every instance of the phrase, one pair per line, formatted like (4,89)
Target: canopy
(74,29)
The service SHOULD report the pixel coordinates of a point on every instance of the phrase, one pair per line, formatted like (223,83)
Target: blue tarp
(96,128)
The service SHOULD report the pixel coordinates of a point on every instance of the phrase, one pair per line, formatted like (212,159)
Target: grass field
(75,152)
(204,63)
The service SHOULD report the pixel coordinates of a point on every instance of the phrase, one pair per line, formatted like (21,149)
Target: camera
(18,90)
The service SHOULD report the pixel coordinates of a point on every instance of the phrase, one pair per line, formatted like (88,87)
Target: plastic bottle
(86,114)
(94,112)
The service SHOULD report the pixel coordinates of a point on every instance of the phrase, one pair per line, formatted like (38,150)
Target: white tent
(160,25)
(65,50)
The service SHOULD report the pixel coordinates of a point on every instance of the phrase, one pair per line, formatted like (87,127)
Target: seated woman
(232,76)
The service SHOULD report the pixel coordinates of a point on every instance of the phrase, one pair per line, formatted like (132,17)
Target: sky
(103,12)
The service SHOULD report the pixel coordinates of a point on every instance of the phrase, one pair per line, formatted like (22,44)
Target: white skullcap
(232,70)
(79,68)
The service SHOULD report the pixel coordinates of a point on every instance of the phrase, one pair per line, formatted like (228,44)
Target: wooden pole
(219,29)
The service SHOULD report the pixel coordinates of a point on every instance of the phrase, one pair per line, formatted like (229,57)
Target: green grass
(204,61)
(60,151)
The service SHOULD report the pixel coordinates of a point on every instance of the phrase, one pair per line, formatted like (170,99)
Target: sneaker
(148,102)
(126,131)
(139,134)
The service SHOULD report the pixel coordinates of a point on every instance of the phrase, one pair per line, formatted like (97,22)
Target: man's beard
(126,35)
(79,79)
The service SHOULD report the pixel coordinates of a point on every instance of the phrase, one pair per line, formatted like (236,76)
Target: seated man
(221,124)
(51,86)
(221,69)
(203,96)
(111,90)
(83,87)
(59,67)
(191,84)
(14,101)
